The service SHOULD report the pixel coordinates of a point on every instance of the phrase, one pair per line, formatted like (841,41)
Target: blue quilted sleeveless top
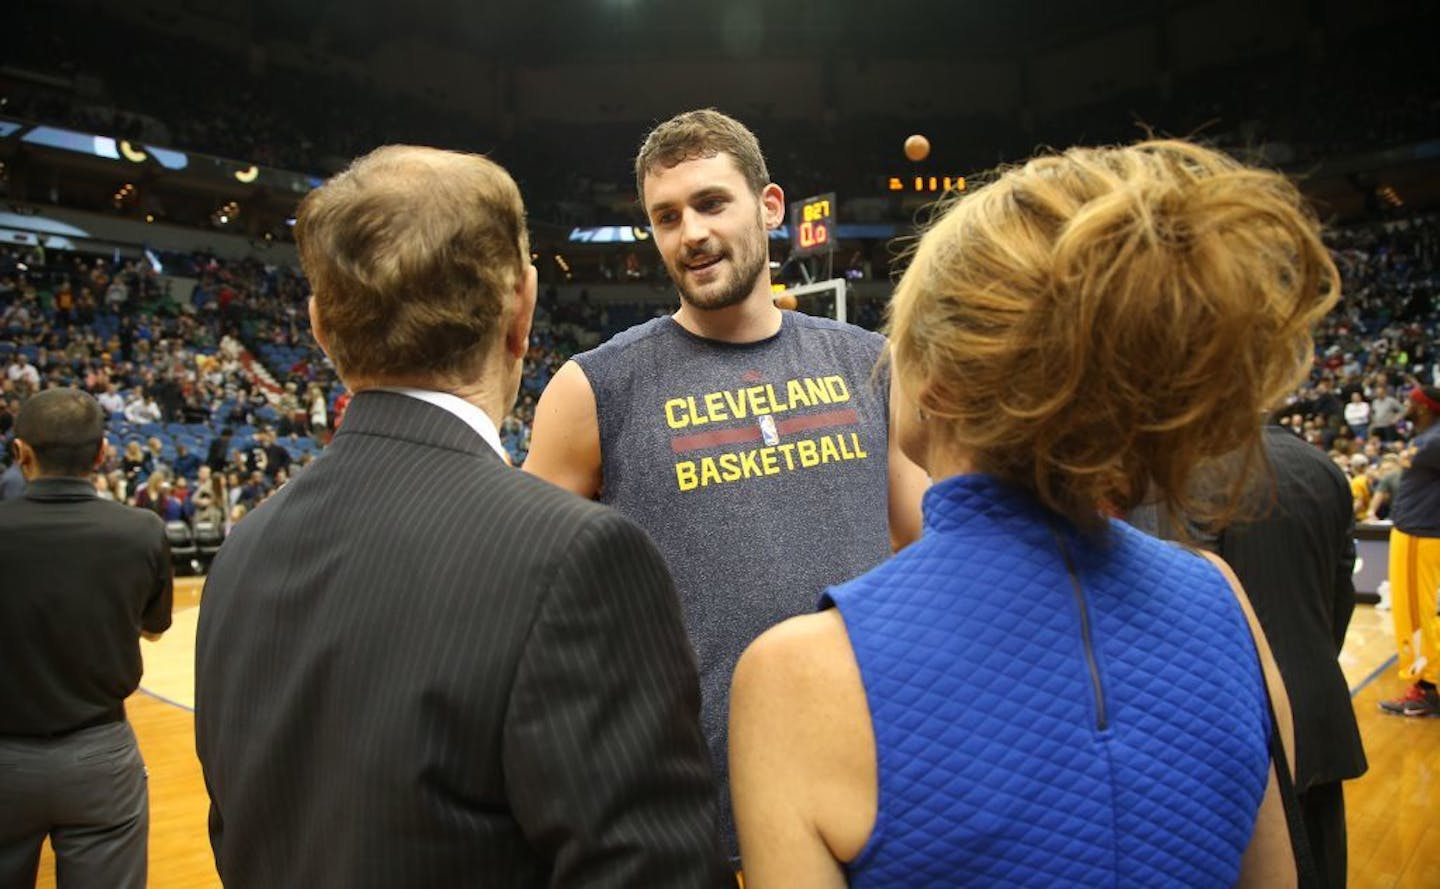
(1034,731)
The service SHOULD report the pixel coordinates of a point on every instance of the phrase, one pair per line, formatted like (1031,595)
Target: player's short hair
(698,134)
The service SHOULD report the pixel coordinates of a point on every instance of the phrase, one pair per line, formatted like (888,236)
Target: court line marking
(164,700)
(1389,662)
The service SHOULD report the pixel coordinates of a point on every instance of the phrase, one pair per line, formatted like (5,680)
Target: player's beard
(744,266)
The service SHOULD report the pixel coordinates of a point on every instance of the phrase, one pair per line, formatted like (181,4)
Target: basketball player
(752,444)
(1415,559)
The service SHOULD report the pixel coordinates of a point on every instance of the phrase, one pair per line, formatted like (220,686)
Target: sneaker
(1418,701)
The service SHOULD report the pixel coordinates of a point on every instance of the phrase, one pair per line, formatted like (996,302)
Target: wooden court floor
(1393,811)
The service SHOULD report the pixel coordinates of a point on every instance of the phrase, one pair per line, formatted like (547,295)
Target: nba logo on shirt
(768,430)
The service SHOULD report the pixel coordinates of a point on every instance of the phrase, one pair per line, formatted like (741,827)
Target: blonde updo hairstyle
(1097,325)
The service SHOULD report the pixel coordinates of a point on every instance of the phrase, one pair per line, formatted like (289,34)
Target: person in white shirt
(1385,411)
(142,409)
(22,372)
(111,400)
(1357,415)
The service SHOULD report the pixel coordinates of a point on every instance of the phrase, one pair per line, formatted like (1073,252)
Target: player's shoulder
(814,325)
(654,330)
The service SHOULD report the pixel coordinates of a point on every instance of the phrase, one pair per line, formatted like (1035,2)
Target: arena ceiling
(604,29)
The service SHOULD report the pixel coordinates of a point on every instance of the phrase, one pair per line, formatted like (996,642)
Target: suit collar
(468,413)
(393,415)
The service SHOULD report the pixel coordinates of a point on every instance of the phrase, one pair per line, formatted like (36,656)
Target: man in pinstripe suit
(415,665)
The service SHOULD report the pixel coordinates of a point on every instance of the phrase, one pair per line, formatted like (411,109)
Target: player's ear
(772,205)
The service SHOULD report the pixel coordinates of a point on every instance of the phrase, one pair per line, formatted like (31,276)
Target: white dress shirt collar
(471,415)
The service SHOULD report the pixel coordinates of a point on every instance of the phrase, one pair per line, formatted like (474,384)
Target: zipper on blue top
(1087,640)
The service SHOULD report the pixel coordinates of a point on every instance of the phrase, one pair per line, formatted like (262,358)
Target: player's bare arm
(565,437)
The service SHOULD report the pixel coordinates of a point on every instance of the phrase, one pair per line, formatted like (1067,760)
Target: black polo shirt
(80,577)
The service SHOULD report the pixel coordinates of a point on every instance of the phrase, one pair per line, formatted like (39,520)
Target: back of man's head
(412,254)
(64,428)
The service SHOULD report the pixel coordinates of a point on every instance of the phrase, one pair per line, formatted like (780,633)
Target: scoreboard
(924,184)
(812,225)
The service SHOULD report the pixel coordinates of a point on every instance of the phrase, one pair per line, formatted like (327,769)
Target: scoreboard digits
(925,184)
(812,225)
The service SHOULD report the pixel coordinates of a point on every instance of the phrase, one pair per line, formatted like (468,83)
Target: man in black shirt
(1295,557)
(276,457)
(84,579)
(217,456)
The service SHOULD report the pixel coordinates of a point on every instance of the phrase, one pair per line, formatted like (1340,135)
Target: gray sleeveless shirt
(759,469)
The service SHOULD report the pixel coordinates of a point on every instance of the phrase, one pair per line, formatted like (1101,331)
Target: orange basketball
(917,147)
(787,301)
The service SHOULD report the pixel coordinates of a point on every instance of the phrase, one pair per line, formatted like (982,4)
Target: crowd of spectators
(194,433)
(1378,343)
(215,401)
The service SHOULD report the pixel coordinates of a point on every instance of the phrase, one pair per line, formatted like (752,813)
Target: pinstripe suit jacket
(419,667)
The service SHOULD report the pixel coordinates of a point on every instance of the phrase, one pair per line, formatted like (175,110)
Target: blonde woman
(136,462)
(1034,693)
(152,494)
